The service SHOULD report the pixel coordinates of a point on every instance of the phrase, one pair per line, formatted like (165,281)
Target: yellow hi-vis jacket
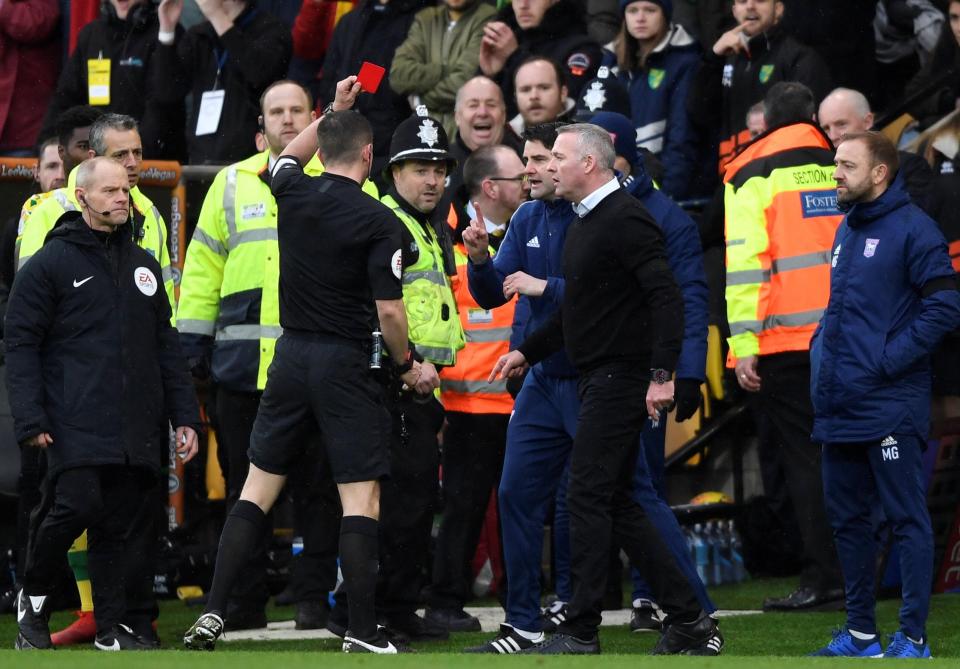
(229,294)
(432,319)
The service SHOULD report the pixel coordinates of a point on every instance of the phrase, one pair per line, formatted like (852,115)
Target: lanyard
(222,55)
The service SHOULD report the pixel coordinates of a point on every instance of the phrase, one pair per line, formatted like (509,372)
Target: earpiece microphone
(83,201)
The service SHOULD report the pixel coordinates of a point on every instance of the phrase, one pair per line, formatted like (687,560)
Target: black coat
(92,357)
(130,47)
(256,51)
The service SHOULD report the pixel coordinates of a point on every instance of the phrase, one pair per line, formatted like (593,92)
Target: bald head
(103,192)
(844,111)
(480,113)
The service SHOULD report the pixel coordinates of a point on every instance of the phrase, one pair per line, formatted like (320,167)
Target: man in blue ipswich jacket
(893,295)
(540,433)
(685,258)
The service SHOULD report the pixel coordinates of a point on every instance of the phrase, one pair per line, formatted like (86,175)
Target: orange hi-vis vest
(464,386)
(781,216)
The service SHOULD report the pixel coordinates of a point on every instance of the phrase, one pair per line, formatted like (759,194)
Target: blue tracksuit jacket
(893,295)
(685,258)
(533,244)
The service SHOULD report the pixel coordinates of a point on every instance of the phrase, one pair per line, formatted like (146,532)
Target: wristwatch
(660,376)
(327,109)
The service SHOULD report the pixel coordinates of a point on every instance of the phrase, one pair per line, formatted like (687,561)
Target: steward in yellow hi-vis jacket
(781,218)
(114,136)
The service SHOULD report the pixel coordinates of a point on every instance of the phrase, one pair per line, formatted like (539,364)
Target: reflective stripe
(456,386)
(748,276)
(802,261)
(255,235)
(488,335)
(432,276)
(61,197)
(736,242)
(436,354)
(248,331)
(654,145)
(798,319)
(195,326)
(166,273)
(229,203)
(650,131)
(214,245)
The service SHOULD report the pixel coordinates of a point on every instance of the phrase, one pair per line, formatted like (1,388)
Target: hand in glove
(687,396)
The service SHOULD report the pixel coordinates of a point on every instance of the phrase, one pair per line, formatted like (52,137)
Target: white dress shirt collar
(590,202)
(492,228)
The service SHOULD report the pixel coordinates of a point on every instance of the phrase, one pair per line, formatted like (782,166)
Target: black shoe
(121,637)
(244,620)
(416,628)
(311,615)
(806,598)
(507,642)
(204,633)
(701,637)
(145,628)
(380,644)
(646,618)
(551,616)
(454,620)
(564,644)
(337,621)
(33,621)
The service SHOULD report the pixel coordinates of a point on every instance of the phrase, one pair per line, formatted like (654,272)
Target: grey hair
(593,141)
(87,170)
(98,130)
(859,101)
(459,99)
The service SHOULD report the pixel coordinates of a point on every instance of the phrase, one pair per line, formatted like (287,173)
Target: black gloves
(686,393)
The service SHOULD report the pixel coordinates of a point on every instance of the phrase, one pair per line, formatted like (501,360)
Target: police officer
(114,136)
(339,253)
(419,163)
(229,320)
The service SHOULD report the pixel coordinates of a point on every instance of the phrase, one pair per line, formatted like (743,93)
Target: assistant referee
(339,255)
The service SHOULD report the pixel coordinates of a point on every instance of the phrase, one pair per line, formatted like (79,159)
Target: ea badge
(396,263)
(145,281)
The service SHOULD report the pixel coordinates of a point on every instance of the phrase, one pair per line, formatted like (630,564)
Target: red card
(370,76)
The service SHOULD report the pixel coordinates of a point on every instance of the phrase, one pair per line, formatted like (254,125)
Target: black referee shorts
(322,383)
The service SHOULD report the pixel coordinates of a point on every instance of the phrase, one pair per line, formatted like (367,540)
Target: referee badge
(145,281)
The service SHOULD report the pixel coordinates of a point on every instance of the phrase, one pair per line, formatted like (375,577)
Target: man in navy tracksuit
(893,295)
(541,430)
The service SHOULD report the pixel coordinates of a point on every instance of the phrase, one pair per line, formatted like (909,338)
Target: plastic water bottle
(724,555)
(736,554)
(701,555)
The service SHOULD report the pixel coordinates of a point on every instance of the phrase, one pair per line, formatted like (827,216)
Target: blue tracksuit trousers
(857,477)
(539,439)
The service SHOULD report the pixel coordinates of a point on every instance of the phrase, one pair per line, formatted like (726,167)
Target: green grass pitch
(776,641)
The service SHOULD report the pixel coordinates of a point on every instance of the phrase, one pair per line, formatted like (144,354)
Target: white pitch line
(490,619)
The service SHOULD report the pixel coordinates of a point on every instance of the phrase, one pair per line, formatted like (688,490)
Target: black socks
(241,532)
(359,563)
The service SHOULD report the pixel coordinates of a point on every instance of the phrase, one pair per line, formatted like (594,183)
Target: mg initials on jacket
(889,449)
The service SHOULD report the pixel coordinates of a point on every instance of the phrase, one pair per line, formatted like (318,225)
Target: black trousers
(601,505)
(107,502)
(407,502)
(235,413)
(33,470)
(472,457)
(784,402)
(316,518)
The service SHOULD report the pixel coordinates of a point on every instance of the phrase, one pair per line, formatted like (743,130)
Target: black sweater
(621,304)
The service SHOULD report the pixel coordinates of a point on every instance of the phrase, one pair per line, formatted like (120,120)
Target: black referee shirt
(339,251)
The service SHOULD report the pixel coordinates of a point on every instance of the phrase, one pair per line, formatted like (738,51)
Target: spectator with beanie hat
(657,60)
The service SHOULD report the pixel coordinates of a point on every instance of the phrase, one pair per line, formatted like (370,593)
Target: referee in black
(339,258)
(621,323)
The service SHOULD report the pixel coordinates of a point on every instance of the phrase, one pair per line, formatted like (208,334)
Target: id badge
(211,107)
(98,81)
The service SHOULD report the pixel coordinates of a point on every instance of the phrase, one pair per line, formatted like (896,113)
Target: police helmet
(420,138)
